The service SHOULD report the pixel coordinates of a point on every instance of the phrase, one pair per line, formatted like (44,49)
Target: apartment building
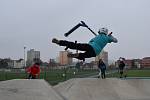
(64,59)
(32,57)
(145,62)
(104,56)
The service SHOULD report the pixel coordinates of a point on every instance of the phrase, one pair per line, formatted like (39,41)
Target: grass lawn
(51,76)
(133,73)
(55,76)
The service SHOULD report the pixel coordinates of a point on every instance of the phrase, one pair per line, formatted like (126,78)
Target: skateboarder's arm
(113,39)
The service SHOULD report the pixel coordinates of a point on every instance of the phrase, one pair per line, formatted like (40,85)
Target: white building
(18,63)
(32,56)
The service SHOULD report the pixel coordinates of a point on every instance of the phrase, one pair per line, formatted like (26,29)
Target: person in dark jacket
(102,69)
(121,66)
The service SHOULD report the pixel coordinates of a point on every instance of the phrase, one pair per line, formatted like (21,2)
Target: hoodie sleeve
(113,39)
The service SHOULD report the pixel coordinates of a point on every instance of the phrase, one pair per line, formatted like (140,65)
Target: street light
(24,57)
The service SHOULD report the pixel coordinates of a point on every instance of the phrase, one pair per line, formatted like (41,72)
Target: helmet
(103,30)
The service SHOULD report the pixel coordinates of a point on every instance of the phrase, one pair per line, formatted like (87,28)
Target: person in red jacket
(34,71)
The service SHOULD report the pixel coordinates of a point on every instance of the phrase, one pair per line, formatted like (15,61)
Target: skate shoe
(54,40)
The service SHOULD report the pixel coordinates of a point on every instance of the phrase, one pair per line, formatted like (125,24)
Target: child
(34,71)
(92,49)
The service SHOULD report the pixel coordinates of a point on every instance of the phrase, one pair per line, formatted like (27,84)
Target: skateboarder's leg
(82,56)
(84,47)
(68,44)
(62,42)
(72,45)
(89,52)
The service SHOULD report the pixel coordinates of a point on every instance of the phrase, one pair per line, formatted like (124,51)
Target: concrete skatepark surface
(76,89)
(24,89)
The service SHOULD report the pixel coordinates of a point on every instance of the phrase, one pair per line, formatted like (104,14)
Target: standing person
(34,71)
(92,48)
(102,68)
(121,66)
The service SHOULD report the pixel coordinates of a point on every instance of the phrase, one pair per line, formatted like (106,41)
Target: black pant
(31,76)
(103,73)
(121,73)
(89,51)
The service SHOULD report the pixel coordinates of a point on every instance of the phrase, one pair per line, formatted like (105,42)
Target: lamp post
(24,57)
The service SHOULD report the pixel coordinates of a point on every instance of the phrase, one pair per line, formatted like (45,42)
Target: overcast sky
(33,23)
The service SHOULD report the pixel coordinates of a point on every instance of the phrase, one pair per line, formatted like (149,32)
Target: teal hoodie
(100,41)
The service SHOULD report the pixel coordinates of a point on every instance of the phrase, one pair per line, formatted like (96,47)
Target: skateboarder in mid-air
(92,48)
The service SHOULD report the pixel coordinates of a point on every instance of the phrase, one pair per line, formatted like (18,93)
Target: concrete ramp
(76,89)
(24,89)
(105,89)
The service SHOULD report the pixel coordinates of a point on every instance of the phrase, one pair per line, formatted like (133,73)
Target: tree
(3,63)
